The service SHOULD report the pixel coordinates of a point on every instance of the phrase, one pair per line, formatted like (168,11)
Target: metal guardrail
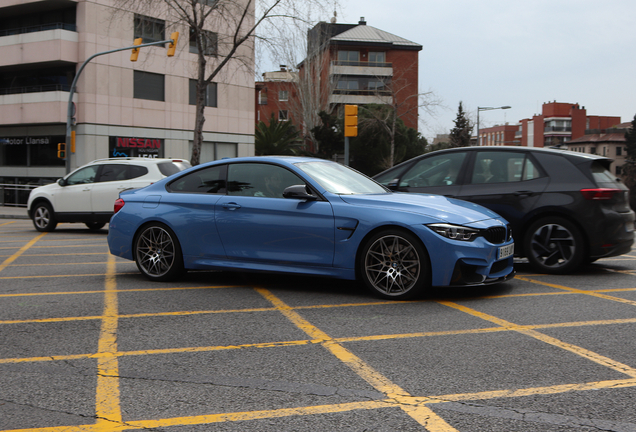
(15,195)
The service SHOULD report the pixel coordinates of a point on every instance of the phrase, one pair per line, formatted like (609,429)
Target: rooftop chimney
(283,68)
(362,21)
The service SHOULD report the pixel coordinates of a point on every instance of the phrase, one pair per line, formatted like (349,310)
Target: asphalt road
(87,344)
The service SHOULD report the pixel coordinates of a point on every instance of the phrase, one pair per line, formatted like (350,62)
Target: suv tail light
(600,193)
(119,203)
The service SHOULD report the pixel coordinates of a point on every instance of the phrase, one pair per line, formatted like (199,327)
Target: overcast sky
(491,53)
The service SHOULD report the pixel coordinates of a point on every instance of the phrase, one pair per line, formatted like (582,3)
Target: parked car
(87,195)
(308,216)
(566,208)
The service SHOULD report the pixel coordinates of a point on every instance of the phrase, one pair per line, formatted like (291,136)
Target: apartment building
(277,95)
(558,123)
(350,64)
(608,142)
(120,108)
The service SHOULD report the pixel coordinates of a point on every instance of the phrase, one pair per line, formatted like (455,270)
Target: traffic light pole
(69,115)
(346,155)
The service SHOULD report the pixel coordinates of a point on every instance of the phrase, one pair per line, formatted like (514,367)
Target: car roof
(136,160)
(552,150)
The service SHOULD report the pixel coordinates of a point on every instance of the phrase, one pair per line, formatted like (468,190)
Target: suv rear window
(169,168)
(602,174)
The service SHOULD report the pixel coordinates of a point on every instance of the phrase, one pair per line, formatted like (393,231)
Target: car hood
(435,206)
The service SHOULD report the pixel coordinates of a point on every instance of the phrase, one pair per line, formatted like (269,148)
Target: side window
(83,176)
(209,180)
(441,170)
(135,171)
(503,167)
(112,172)
(260,180)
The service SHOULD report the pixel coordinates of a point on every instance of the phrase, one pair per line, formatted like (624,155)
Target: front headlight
(454,232)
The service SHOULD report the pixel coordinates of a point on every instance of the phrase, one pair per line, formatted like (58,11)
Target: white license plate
(506,251)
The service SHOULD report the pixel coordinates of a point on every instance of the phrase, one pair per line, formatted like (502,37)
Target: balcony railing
(557,129)
(35,89)
(362,92)
(359,63)
(39,28)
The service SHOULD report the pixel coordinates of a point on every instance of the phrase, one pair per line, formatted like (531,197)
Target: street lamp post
(486,109)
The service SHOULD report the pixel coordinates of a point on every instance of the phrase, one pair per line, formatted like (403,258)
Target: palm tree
(277,138)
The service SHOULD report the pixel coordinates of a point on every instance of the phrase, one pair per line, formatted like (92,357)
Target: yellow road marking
(422,414)
(590,355)
(107,406)
(580,291)
(20,252)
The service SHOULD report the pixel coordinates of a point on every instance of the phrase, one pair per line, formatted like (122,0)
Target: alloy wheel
(155,252)
(553,245)
(392,265)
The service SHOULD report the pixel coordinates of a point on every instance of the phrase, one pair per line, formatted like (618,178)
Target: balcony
(360,97)
(548,129)
(39,28)
(56,45)
(38,104)
(361,68)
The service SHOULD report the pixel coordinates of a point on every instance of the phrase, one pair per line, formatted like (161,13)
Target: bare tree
(223,31)
(305,51)
(394,95)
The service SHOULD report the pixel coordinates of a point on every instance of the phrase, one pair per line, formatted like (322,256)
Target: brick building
(557,124)
(351,64)
(275,96)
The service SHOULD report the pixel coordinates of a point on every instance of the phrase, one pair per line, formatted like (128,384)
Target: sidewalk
(7,212)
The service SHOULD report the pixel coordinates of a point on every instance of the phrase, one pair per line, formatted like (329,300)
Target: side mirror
(61,182)
(393,184)
(298,192)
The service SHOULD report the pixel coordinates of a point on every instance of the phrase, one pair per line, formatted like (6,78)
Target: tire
(158,253)
(394,265)
(554,245)
(94,226)
(43,217)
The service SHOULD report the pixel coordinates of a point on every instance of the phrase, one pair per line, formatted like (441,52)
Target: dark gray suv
(566,208)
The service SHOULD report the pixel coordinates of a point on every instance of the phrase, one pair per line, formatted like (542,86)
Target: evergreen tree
(460,134)
(277,138)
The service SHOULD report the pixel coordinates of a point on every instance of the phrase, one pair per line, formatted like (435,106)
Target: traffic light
(61,150)
(172,46)
(135,51)
(351,121)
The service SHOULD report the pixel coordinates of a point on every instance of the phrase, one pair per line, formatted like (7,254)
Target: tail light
(119,203)
(599,193)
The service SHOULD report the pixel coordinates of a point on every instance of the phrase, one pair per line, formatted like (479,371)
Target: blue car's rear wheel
(157,253)
(394,264)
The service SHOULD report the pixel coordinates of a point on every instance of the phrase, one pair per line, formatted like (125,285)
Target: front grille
(495,234)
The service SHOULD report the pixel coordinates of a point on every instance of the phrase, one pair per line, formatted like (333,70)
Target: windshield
(339,179)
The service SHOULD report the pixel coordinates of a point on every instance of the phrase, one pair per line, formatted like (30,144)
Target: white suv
(88,194)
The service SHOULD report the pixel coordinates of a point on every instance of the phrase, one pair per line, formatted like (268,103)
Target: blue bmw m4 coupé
(308,216)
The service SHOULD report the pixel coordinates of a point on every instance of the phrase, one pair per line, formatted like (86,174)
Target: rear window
(169,168)
(602,174)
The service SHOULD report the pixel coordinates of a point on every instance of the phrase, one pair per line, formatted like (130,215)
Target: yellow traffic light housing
(61,150)
(135,52)
(351,121)
(72,141)
(172,46)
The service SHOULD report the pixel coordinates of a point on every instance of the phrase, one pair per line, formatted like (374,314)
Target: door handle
(519,193)
(231,206)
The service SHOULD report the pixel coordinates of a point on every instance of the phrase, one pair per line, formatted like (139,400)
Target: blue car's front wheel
(395,265)
(157,253)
